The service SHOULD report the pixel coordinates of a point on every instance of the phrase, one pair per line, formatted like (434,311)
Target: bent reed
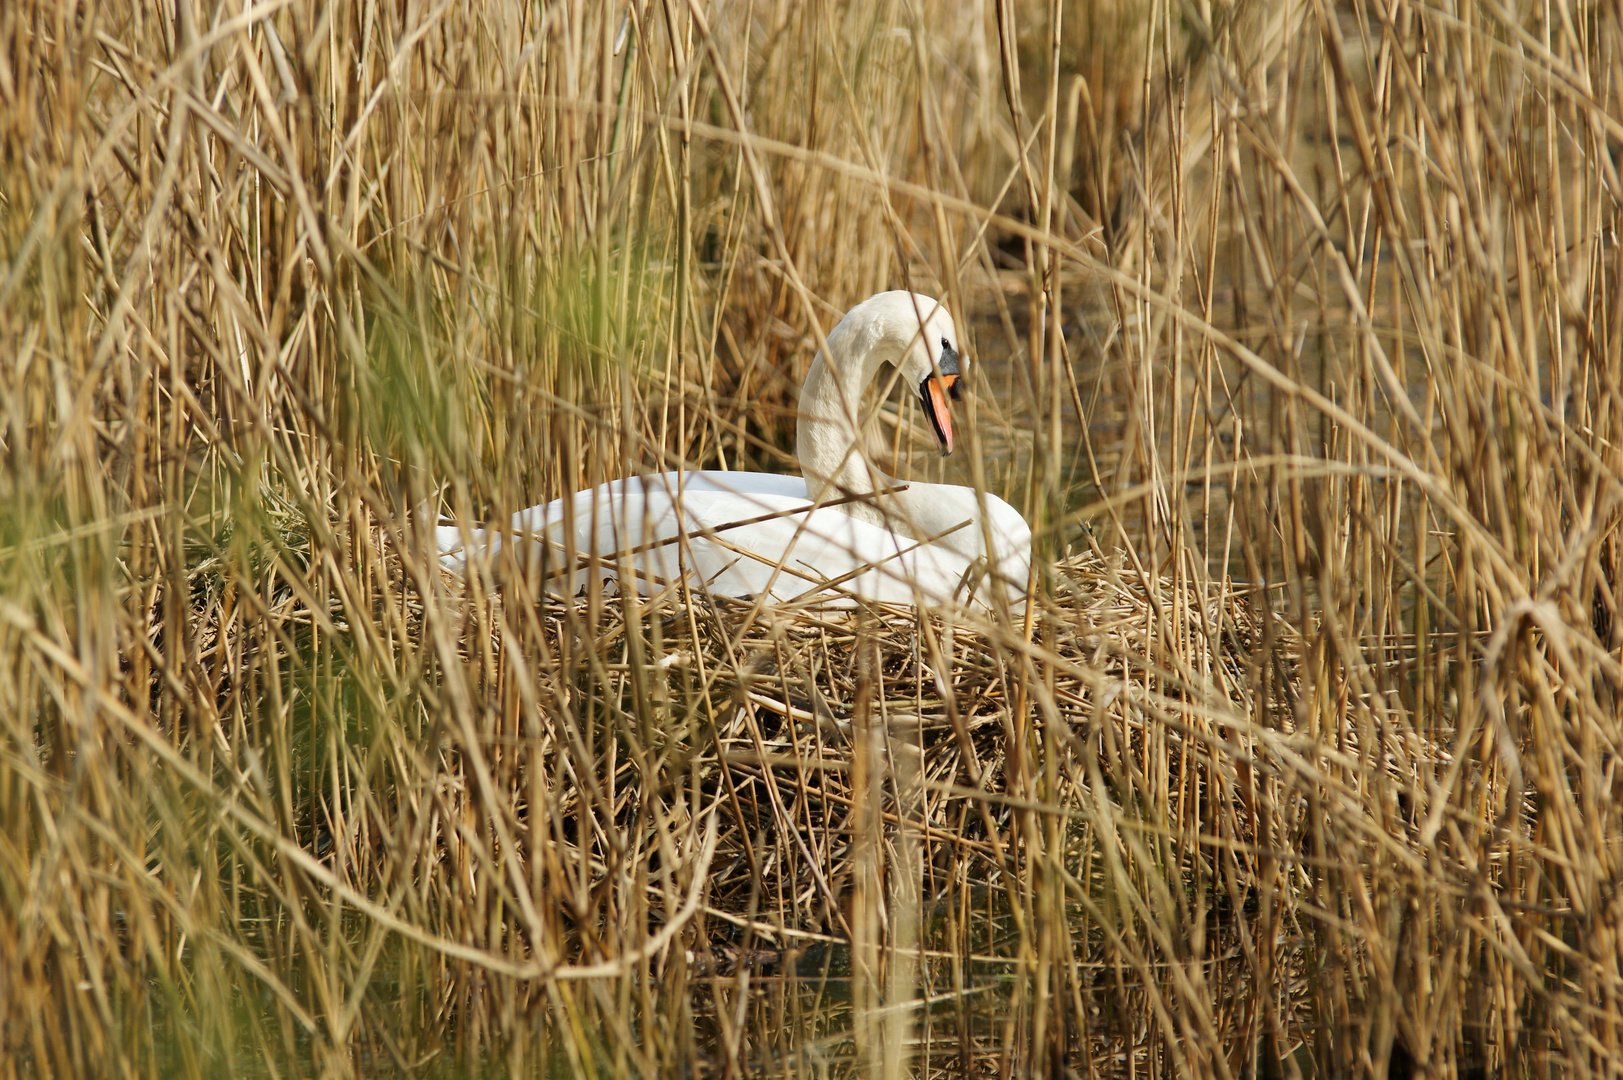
(1296,337)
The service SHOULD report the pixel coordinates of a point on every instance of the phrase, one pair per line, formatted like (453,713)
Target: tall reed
(1296,338)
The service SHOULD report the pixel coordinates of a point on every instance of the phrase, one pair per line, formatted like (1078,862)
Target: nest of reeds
(822,737)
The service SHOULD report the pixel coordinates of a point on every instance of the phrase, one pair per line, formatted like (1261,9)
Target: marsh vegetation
(1296,336)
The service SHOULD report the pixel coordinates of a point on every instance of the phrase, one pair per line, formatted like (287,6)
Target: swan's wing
(718,541)
(819,550)
(777,545)
(737,534)
(738,483)
(616,507)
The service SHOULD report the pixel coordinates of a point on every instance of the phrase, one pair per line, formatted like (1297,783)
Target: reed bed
(1296,337)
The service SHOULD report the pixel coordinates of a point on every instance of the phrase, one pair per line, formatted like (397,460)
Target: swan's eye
(946,346)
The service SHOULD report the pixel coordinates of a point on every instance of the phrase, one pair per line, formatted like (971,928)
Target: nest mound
(817,744)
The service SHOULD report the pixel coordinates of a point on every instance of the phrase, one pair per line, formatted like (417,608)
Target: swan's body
(823,543)
(752,534)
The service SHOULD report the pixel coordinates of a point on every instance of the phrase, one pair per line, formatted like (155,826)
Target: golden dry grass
(1297,339)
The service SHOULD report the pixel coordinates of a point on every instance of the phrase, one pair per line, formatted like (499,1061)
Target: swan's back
(753,534)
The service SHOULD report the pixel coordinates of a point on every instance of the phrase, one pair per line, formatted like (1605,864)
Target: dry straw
(1297,339)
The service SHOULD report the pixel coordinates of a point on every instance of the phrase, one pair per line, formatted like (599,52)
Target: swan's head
(922,342)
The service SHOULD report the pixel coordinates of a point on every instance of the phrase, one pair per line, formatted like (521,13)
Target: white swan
(842,530)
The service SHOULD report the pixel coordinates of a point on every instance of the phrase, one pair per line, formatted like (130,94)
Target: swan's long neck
(828,438)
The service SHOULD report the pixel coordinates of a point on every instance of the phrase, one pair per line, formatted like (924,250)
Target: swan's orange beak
(934,394)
